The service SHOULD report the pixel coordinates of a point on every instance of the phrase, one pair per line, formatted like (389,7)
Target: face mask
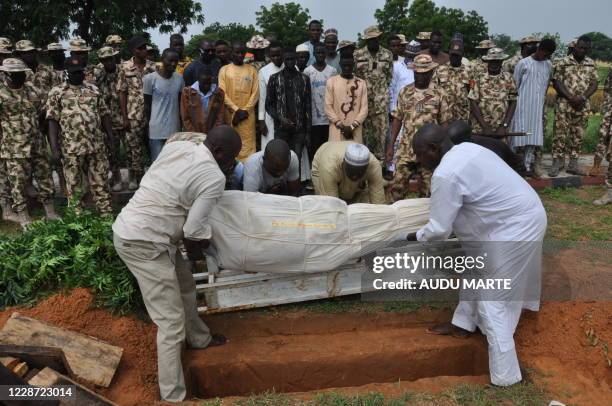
(76,78)
(17,78)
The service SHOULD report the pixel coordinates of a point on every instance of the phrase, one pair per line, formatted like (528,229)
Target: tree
(423,15)
(506,43)
(44,21)
(288,22)
(229,32)
(601,47)
(392,18)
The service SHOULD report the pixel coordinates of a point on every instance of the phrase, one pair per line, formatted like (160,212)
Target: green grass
(590,138)
(602,74)
(524,394)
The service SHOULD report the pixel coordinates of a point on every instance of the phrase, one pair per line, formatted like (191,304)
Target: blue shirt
(204,98)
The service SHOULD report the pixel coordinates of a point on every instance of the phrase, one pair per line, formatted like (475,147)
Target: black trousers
(319,134)
(295,139)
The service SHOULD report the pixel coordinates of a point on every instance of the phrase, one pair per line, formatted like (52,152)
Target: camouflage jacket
(510,64)
(377,71)
(607,102)
(417,107)
(107,84)
(79,111)
(477,68)
(456,84)
(42,79)
(19,113)
(130,81)
(576,76)
(57,77)
(494,95)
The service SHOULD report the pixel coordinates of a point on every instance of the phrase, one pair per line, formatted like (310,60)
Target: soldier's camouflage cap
(371,32)
(55,46)
(424,35)
(106,52)
(572,43)
(24,45)
(345,43)
(529,39)
(495,54)
(78,45)
(422,63)
(402,38)
(486,44)
(5,42)
(13,65)
(113,39)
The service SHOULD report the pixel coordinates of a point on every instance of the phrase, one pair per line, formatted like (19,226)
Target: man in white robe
(265,121)
(479,198)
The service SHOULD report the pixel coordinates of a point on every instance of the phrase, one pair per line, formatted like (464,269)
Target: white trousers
(497,321)
(168,291)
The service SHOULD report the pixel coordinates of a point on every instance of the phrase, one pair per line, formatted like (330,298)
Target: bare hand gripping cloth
(281,234)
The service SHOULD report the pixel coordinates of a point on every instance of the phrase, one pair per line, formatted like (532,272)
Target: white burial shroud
(268,233)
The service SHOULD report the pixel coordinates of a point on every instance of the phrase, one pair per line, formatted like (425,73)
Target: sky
(516,18)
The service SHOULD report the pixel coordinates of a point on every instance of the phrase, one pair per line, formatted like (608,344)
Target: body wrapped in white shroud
(269,233)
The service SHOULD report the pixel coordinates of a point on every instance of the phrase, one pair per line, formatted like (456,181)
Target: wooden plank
(38,357)
(84,397)
(89,358)
(9,362)
(21,369)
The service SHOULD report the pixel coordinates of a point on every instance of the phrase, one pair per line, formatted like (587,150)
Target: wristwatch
(505,125)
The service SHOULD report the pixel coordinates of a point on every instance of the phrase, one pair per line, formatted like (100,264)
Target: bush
(76,251)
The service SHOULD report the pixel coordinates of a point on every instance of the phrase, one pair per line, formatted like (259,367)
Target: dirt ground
(297,350)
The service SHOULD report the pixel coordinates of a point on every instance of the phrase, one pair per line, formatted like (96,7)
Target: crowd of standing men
(304,99)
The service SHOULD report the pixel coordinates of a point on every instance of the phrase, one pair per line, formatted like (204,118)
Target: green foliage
(47,21)
(601,47)
(506,43)
(287,22)
(392,18)
(229,32)
(76,251)
(423,15)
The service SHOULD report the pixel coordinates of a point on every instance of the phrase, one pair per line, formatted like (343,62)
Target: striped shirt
(532,78)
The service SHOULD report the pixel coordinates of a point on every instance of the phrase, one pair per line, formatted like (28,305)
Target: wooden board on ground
(37,357)
(83,397)
(89,358)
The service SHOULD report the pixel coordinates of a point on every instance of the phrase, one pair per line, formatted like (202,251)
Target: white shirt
(402,76)
(476,195)
(175,197)
(318,81)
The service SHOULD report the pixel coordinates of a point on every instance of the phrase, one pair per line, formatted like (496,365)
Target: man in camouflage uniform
(478,67)
(77,107)
(116,42)
(605,129)
(80,50)
(417,105)
(493,96)
(574,78)
(23,145)
(604,146)
(529,45)
(454,78)
(423,38)
(374,64)
(107,84)
(258,45)
(5,190)
(55,50)
(131,98)
(40,75)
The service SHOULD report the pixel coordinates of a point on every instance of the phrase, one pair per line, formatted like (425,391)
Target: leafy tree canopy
(229,32)
(601,48)
(47,21)
(286,22)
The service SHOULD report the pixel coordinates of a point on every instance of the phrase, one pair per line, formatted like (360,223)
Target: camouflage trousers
(95,166)
(399,187)
(134,143)
(605,132)
(19,171)
(5,188)
(570,127)
(114,148)
(375,129)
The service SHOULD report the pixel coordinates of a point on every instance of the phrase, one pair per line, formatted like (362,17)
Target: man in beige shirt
(173,203)
(346,103)
(348,170)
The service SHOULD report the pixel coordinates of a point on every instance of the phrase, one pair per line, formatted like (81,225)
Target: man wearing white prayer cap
(302,55)
(349,171)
